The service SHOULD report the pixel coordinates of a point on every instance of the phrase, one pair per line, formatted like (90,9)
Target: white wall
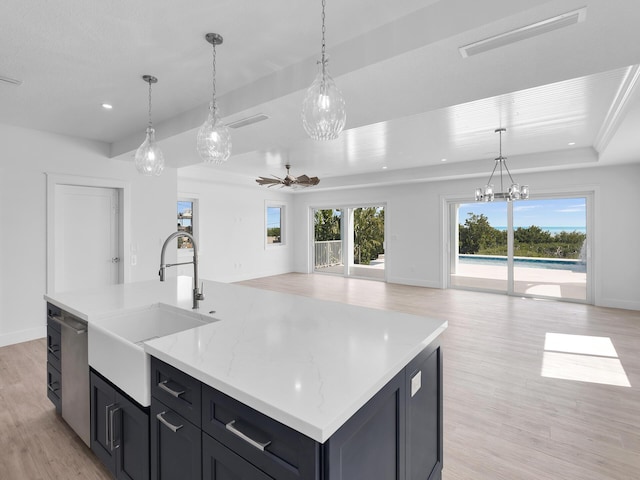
(231,232)
(25,157)
(414,215)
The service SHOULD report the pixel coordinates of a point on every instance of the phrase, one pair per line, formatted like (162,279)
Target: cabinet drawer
(53,346)
(176,445)
(54,386)
(177,390)
(52,313)
(220,463)
(271,446)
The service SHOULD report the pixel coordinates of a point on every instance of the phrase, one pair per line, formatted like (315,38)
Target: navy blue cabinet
(54,356)
(220,463)
(176,441)
(424,415)
(119,431)
(396,435)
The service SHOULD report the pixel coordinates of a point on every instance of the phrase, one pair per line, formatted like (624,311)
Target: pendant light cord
(323,32)
(213,78)
(150,125)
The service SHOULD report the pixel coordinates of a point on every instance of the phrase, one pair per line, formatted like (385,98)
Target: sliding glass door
(550,248)
(350,241)
(327,241)
(531,248)
(480,259)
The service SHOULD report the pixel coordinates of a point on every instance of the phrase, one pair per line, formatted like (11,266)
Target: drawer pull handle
(170,426)
(107,426)
(259,445)
(113,442)
(175,393)
(54,350)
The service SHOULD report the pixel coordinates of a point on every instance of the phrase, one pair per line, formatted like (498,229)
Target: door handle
(115,260)
(113,444)
(107,425)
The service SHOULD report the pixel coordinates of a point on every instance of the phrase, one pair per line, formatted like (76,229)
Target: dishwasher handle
(76,325)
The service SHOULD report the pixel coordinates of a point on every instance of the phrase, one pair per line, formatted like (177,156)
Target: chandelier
(148,158)
(515,191)
(214,139)
(323,108)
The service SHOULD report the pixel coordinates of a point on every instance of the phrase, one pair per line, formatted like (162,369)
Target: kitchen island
(318,372)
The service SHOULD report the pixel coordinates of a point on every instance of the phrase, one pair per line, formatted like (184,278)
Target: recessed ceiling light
(571,144)
(384,168)
(443,159)
(107,106)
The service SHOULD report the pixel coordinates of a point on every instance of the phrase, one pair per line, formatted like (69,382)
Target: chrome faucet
(197,292)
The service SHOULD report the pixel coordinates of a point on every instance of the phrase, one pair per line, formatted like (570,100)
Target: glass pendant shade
(323,109)
(214,139)
(149,159)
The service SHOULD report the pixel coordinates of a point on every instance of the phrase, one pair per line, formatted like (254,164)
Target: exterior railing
(328,253)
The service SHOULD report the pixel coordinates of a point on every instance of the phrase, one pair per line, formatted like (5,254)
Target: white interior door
(86,237)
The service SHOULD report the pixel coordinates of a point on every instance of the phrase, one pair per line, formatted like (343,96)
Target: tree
(477,234)
(326,225)
(368,234)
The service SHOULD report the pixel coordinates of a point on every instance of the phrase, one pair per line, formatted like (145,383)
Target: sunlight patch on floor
(582,358)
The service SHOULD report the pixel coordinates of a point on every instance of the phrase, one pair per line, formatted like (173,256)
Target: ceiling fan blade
(302,179)
(268,181)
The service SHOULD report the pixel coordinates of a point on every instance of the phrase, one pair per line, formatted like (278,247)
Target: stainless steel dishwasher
(75,374)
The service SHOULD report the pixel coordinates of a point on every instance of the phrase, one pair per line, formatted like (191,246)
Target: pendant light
(515,192)
(323,108)
(214,139)
(148,158)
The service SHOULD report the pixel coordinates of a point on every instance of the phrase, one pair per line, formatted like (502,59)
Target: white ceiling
(412,99)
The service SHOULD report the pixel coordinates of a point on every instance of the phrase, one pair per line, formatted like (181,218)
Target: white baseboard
(616,303)
(22,335)
(413,282)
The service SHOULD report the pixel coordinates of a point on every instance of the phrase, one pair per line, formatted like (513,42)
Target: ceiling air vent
(248,121)
(10,81)
(522,33)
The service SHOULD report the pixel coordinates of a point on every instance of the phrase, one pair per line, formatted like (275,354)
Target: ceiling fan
(288,180)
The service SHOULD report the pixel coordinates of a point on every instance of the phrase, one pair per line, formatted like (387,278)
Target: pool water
(526,262)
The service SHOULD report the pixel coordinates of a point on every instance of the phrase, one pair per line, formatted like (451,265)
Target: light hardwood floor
(503,420)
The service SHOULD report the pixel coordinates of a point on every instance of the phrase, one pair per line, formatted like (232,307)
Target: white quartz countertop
(308,363)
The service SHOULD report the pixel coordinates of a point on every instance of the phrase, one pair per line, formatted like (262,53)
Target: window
(185,222)
(275,228)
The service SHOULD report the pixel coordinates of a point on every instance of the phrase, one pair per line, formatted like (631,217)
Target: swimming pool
(576,265)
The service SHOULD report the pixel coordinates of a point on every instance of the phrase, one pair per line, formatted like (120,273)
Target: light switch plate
(416,383)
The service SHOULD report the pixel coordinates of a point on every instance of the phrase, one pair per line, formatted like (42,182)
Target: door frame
(124,204)
(590,193)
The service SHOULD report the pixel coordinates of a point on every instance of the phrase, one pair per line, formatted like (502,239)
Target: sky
(562,212)
(273,217)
